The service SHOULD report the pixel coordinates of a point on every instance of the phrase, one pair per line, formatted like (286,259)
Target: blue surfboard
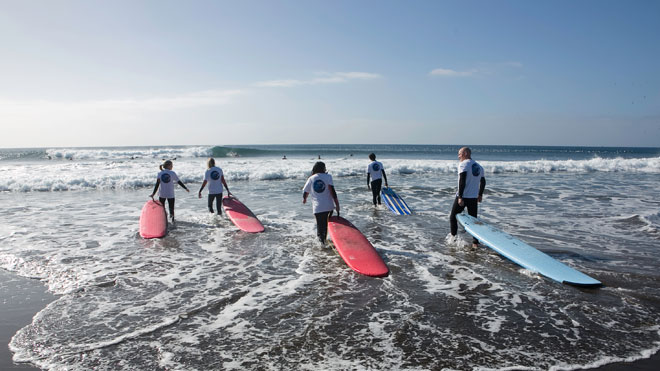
(395,203)
(524,254)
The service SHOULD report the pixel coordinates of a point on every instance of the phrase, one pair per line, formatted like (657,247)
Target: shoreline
(22,298)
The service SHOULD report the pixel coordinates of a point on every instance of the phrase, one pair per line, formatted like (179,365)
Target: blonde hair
(210,162)
(166,164)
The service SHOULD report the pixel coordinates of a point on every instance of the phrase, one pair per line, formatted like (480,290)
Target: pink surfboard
(153,221)
(355,249)
(241,216)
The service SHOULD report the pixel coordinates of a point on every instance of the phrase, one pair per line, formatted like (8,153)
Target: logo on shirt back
(215,175)
(319,186)
(376,167)
(165,178)
(475,169)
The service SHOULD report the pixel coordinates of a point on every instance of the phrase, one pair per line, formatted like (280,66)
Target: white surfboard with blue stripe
(395,203)
(524,254)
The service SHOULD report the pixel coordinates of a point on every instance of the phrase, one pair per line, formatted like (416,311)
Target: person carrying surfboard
(375,176)
(471,185)
(166,179)
(324,198)
(215,179)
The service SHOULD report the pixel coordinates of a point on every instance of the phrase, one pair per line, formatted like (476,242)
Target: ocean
(209,297)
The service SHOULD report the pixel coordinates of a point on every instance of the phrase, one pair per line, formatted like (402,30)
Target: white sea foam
(132,174)
(210,297)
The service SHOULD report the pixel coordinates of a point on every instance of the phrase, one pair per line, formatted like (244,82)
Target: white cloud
(513,64)
(486,69)
(452,73)
(14,109)
(324,78)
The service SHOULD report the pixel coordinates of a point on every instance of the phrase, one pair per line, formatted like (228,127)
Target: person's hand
(479,198)
(460,202)
(187,190)
(387,185)
(152,196)
(369,186)
(304,200)
(200,194)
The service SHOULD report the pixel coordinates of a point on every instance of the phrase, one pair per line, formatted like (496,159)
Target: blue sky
(120,73)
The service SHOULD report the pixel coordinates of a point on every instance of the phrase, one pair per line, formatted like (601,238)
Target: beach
(23,298)
(208,296)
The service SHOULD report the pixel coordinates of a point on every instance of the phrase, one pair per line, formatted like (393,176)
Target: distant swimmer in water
(471,185)
(166,179)
(324,198)
(319,157)
(375,176)
(215,179)
(284,158)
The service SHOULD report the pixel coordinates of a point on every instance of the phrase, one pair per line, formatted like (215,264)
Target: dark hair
(319,167)
(372,157)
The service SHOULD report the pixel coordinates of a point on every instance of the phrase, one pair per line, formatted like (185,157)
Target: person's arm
(225,184)
(184,187)
(461,186)
(200,190)
(155,188)
(305,194)
(368,180)
(482,187)
(385,177)
(334,197)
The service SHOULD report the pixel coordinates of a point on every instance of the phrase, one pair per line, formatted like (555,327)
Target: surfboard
(153,220)
(523,254)
(240,215)
(394,202)
(355,249)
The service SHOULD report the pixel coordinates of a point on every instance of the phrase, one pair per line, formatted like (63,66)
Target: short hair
(210,162)
(467,151)
(372,156)
(319,167)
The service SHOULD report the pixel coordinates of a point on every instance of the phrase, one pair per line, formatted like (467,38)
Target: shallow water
(210,297)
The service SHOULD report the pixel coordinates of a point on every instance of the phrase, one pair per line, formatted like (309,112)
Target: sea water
(209,297)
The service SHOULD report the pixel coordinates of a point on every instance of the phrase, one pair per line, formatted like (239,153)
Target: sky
(128,73)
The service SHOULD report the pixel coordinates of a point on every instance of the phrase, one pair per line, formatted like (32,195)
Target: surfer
(471,185)
(319,185)
(215,179)
(375,173)
(166,179)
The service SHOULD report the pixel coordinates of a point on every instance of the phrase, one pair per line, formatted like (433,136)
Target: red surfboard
(355,249)
(153,220)
(241,216)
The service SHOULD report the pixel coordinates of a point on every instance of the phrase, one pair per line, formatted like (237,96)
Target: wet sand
(21,298)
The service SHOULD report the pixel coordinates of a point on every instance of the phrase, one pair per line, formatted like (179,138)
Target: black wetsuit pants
(322,225)
(218,200)
(375,190)
(472,206)
(170,203)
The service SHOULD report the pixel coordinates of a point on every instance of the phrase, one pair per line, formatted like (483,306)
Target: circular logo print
(475,169)
(376,167)
(215,175)
(165,178)
(319,186)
